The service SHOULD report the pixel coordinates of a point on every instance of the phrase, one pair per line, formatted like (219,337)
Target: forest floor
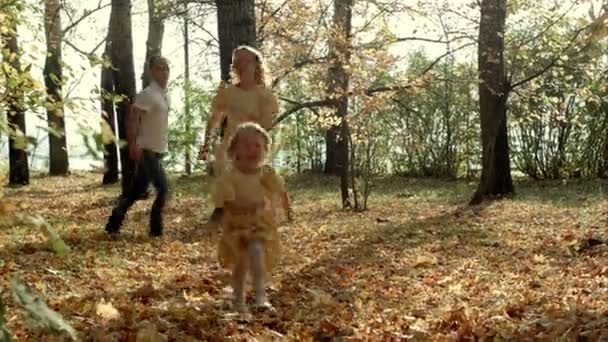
(418,265)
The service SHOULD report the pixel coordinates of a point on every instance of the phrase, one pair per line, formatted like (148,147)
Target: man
(147,127)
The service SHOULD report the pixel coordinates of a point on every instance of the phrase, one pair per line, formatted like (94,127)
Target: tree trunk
(124,78)
(493,93)
(110,175)
(53,79)
(188,161)
(330,167)
(156,31)
(338,80)
(235,26)
(19,173)
(298,146)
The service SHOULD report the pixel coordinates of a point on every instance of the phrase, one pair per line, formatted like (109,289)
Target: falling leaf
(106,311)
(5,335)
(149,333)
(320,297)
(56,242)
(39,312)
(539,258)
(424,260)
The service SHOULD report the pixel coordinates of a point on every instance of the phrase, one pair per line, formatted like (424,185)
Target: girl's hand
(244,205)
(253,205)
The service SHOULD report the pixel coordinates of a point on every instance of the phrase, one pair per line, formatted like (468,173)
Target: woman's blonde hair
(249,127)
(261,74)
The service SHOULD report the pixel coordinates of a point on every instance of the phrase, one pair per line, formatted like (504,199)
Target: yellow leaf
(149,333)
(425,260)
(539,259)
(107,136)
(106,311)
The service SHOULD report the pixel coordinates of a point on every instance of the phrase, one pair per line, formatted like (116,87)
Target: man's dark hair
(157,60)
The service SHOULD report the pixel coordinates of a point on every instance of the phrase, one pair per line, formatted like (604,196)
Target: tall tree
(19,173)
(235,26)
(156,31)
(110,175)
(493,93)
(124,77)
(337,88)
(187,157)
(53,79)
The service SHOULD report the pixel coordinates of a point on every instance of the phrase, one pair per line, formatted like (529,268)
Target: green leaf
(117,99)
(39,312)
(5,335)
(107,136)
(56,242)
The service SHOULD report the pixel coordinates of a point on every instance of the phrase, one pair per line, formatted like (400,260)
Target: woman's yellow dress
(239,228)
(238,105)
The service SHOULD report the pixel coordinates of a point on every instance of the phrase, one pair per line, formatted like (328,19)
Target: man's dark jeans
(149,170)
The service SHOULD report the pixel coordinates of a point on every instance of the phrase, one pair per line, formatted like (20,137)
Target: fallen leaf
(106,311)
(425,260)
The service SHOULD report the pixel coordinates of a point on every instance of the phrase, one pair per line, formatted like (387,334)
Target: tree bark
(110,175)
(331,165)
(235,26)
(156,31)
(53,80)
(124,78)
(187,158)
(337,86)
(19,173)
(493,94)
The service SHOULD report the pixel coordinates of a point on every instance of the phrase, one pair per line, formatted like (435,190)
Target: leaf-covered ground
(419,265)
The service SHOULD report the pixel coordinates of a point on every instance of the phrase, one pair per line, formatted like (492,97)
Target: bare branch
(86,14)
(378,44)
(84,53)
(438,59)
(274,13)
(301,105)
(205,30)
(297,66)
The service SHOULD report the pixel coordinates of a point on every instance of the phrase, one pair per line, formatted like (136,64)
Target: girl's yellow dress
(238,105)
(239,227)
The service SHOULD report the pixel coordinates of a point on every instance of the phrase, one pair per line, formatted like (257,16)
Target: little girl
(249,192)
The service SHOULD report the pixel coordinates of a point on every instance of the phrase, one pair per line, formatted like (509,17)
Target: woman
(246,99)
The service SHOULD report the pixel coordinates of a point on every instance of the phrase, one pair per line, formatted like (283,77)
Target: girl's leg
(239,273)
(258,270)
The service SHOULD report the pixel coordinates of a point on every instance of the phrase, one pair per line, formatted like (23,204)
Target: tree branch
(274,13)
(534,37)
(301,105)
(297,66)
(204,30)
(369,92)
(8,4)
(84,53)
(87,13)
(552,62)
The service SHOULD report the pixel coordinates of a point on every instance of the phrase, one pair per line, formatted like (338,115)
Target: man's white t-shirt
(153,128)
